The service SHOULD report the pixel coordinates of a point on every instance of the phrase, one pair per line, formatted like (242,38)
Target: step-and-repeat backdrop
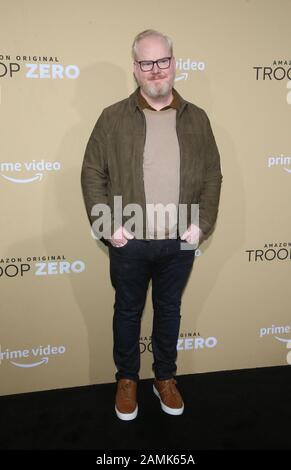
(61,63)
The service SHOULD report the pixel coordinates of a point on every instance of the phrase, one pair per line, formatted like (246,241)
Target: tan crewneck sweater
(161,167)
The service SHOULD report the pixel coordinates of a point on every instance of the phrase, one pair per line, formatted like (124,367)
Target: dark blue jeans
(131,268)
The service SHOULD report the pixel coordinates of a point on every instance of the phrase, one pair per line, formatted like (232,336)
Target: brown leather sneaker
(125,400)
(170,398)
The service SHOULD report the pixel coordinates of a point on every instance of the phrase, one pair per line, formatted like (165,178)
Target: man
(152,149)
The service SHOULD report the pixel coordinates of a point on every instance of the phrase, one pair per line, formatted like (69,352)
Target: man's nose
(155,68)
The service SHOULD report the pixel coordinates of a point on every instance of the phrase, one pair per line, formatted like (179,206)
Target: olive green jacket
(113,161)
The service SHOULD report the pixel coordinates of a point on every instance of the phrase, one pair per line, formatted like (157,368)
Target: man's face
(157,82)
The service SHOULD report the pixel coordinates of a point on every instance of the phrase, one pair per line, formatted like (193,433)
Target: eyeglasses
(148,65)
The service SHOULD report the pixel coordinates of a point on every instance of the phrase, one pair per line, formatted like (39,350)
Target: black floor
(245,409)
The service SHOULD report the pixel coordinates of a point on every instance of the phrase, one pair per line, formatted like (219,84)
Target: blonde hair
(146,33)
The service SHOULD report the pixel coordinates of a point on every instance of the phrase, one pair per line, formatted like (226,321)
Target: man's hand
(120,237)
(192,235)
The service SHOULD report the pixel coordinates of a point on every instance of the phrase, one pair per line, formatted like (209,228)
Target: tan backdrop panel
(61,63)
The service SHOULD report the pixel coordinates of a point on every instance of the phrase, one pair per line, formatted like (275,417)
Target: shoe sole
(126,416)
(165,408)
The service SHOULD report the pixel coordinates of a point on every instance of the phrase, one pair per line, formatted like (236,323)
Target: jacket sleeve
(94,173)
(210,193)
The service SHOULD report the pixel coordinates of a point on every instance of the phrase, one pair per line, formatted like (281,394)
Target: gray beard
(154,92)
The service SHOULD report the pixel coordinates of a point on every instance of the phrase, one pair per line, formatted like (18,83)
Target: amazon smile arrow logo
(182,76)
(37,177)
(35,364)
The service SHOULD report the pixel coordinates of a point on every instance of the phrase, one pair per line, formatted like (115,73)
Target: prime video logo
(37,168)
(34,357)
(185,66)
(282,161)
(279,330)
